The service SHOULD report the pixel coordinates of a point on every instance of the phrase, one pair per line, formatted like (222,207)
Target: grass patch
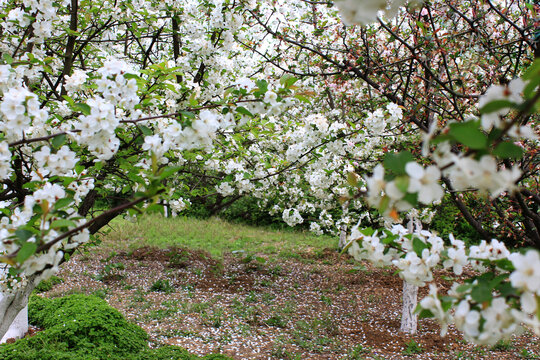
(162,285)
(48,284)
(213,235)
(413,348)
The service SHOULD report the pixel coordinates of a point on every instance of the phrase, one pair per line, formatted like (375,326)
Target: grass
(413,348)
(213,235)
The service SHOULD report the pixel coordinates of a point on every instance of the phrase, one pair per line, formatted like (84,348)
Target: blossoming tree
(106,102)
(105,106)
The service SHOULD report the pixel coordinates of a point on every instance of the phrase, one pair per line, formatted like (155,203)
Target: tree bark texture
(409,319)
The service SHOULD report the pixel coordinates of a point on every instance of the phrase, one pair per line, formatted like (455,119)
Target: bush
(76,326)
(448,220)
(80,327)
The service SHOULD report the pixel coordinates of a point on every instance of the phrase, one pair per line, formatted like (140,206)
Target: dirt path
(314,306)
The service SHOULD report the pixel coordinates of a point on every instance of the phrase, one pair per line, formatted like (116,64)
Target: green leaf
(154,208)
(62,223)
(168,171)
(425,313)
(28,249)
(419,246)
(84,108)
(494,134)
(508,150)
(498,280)
(385,201)
(145,130)
(533,72)
(446,303)
(504,264)
(23,234)
(132,76)
(389,239)
(302,98)
(411,199)
(62,203)
(464,288)
(468,134)
(396,162)
(188,114)
(496,105)
(242,110)
(193,100)
(262,85)
(481,292)
(288,80)
(367,231)
(506,289)
(7,58)
(440,139)
(402,183)
(531,86)
(58,141)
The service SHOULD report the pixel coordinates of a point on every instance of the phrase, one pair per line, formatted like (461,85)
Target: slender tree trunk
(18,327)
(343,228)
(14,312)
(409,319)
(342,237)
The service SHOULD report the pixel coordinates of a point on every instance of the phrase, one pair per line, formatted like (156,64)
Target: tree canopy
(110,108)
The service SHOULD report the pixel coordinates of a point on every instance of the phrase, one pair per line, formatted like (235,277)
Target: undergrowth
(80,327)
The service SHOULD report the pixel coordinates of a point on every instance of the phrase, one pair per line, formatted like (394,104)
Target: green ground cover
(80,327)
(213,235)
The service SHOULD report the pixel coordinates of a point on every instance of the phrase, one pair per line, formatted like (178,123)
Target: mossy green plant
(81,327)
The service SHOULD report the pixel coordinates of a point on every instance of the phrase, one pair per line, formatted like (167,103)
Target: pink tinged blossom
(50,193)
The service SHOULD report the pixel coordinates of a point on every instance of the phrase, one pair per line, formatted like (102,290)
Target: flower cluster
(60,163)
(511,93)
(19,109)
(391,195)
(292,217)
(483,318)
(5,160)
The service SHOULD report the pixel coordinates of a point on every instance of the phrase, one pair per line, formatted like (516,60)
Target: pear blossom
(292,217)
(527,273)
(425,182)
(511,92)
(433,304)
(75,81)
(50,193)
(5,159)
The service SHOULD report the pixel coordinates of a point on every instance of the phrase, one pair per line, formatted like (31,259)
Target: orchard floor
(315,305)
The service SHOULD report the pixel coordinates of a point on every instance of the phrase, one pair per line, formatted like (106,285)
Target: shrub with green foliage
(80,327)
(448,220)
